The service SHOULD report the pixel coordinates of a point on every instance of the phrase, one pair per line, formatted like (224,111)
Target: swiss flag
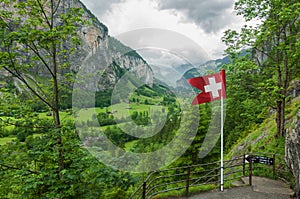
(212,87)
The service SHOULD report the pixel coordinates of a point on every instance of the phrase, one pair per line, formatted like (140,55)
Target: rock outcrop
(292,149)
(104,55)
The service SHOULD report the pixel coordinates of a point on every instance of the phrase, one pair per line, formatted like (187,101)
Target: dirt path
(239,193)
(263,188)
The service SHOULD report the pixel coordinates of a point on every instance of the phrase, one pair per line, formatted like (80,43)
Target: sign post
(259,159)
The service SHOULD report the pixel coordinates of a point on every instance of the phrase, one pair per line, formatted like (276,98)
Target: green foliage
(33,38)
(35,174)
(262,139)
(274,44)
(102,98)
(141,118)
(245,105)
(43,157)
(105,119)
(182,192)
(34,35)
(5,140)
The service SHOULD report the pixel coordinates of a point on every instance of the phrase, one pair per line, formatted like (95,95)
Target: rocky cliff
(292,148)
(98,53)
(102,54)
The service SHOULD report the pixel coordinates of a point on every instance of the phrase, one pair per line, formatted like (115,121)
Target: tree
(34,35)
(245,106)
(275,44)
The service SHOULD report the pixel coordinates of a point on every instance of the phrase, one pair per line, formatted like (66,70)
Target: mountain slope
(98,53)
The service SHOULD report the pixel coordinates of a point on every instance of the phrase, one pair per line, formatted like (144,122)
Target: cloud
(196,19)
(210,15)
(172,42)
(100,7)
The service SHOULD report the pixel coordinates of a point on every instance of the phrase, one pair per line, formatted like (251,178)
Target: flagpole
(209,86)
(222,125)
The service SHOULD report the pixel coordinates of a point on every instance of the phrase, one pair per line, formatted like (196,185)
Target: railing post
(187,181)
(274,167)
(144,191)
(244,164)
(217,175)
(250,169)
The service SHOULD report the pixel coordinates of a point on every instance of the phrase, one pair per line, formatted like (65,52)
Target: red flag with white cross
(212,87)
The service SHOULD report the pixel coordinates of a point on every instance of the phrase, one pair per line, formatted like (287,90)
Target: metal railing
(182,178)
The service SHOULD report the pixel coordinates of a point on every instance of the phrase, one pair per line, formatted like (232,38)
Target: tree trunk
(56,113)
(278,118)
(285,85)
(279,102)
(56,96)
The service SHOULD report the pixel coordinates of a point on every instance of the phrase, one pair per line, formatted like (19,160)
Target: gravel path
(263,188)
(239,193)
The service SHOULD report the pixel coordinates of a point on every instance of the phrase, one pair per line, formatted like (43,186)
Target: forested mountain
(77,105)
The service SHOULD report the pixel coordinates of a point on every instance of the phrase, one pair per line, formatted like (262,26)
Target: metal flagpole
(222,125)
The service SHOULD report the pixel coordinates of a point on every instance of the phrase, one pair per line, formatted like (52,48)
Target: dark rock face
(292,149)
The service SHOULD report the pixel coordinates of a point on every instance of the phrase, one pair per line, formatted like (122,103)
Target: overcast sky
(202,21)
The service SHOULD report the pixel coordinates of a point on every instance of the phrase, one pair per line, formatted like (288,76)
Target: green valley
(84,116)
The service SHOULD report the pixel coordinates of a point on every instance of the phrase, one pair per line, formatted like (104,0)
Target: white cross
(213,87)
